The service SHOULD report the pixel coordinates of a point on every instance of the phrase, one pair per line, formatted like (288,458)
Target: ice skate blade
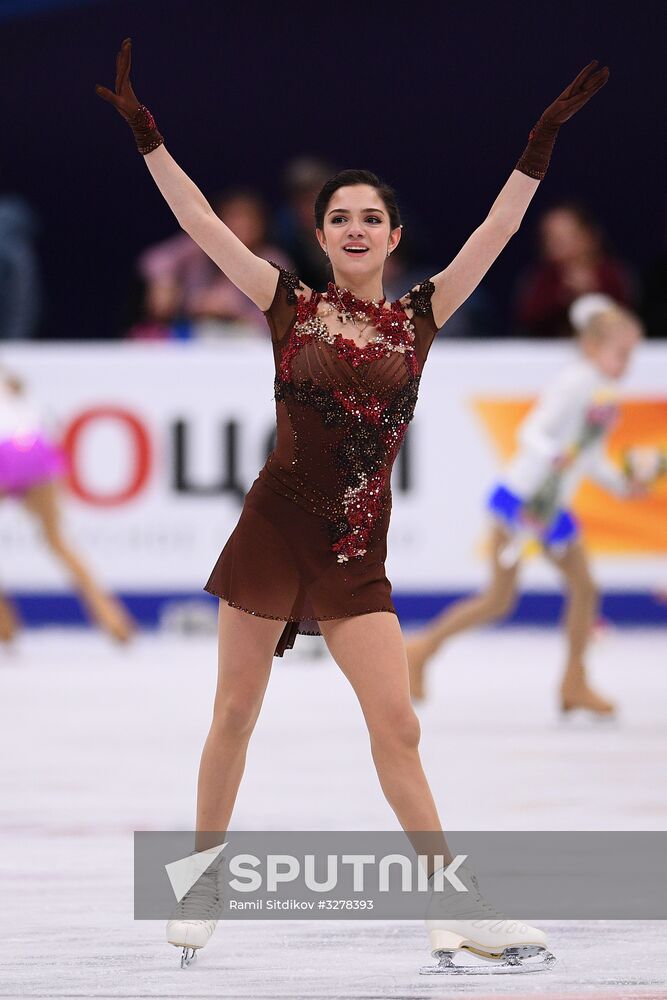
(510,962)
(188,956)
(585,718)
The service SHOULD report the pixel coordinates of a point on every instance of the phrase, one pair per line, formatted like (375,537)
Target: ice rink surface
(98,742)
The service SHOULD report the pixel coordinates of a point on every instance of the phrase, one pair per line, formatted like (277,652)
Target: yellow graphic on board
(611,525)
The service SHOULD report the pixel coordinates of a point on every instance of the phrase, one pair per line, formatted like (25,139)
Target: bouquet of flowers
(644,465)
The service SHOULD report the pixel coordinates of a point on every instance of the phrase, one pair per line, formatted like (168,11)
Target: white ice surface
(97,742)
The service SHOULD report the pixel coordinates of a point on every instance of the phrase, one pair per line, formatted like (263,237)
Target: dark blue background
(437,98)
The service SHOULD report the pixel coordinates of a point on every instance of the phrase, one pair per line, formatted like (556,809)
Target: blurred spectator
(400,270)
(407,267)
(20,285)
(184,287)
(294,223)
(476,317)
(653,307)
(574,261)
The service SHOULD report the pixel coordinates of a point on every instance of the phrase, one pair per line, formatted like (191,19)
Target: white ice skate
(503,945)
(194,918)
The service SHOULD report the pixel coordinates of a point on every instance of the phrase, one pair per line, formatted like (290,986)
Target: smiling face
(357,232)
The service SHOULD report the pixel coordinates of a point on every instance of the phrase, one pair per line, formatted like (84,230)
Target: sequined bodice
(342,414)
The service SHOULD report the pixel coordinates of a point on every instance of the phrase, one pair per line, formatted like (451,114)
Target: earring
(326,253)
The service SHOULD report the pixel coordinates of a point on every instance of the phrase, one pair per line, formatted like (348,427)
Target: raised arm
(255,277)
(461,277)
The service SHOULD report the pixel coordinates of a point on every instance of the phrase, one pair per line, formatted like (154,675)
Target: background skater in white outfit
(561,441)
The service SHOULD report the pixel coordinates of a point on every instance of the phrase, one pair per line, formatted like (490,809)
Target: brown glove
(535,158)
(125,102)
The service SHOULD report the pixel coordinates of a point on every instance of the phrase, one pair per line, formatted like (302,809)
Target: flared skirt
(278,563)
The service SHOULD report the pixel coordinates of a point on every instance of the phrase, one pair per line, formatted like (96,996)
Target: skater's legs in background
(43,501)
(9,622)
(582,602)
(494,602)
(246,644)
(370,651)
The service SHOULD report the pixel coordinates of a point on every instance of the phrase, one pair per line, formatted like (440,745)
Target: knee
(501,601)
(397,730)
(234,717)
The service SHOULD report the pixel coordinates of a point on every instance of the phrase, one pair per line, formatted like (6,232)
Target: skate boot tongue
(451,902)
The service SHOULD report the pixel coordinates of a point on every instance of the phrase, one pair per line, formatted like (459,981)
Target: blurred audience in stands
(574,259)
(294,221)
(477,317)
(186,294)
(653,306)
(20,280)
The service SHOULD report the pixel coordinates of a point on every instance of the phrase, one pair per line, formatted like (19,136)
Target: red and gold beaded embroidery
(290,281)
(420,300)
(372,428)
(374,432)
(368,457)
(395,332)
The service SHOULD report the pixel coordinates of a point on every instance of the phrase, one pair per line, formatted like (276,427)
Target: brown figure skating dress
(311,541)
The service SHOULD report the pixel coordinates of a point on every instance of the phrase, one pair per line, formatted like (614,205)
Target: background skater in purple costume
(31,467)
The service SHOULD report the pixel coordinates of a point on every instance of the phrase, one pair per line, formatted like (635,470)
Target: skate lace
(499,921)
(482,904)
(201,901)
(469,908)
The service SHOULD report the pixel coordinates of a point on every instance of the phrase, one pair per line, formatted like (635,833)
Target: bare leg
(9,623)
(580,618)
(246,644)
(494,602)
(43,502)
(370,651)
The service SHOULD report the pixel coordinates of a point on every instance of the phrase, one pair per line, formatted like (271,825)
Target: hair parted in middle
(347,178)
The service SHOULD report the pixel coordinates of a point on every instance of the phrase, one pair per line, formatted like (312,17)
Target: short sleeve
(418,299)
(282,311)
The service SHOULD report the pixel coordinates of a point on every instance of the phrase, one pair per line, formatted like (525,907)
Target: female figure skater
(308,552)
(30,469)
(560,441)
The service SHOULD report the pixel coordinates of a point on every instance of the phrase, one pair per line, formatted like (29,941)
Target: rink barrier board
(156,480)
(545,608)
